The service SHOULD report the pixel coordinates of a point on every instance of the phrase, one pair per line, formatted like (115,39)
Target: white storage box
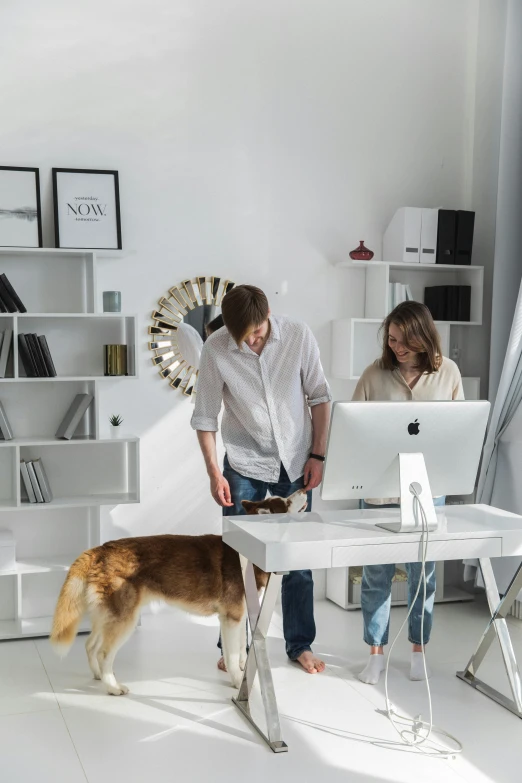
(7,550)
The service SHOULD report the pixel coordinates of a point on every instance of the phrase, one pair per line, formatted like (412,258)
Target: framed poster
(20,212)
(86,209)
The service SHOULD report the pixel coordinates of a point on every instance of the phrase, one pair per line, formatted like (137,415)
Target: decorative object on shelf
(180,328)
(35,355)
(6,433)
(10,302)
(20,211)
(116,429)
(86,209)
(112,301)
(361,253)
(74,415)
(115,360)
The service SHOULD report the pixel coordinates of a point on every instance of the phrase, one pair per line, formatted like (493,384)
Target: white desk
(282,543)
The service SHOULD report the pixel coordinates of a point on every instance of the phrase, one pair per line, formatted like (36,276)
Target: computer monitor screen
(366,438)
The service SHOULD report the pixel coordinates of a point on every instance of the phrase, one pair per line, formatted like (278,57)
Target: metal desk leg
(257,663)
(497,625)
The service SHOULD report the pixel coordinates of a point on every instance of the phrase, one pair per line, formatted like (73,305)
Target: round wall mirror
(185,317)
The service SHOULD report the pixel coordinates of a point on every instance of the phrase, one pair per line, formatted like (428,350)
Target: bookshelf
(91,470)
(355,341)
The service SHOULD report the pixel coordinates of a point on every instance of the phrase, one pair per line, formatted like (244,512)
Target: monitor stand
(412,471)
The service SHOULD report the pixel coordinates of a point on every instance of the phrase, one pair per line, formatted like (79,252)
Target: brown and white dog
(200,574)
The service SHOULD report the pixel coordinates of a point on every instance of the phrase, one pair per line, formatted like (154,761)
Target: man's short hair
(244,309)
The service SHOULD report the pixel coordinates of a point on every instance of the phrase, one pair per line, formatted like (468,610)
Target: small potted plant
(116,428)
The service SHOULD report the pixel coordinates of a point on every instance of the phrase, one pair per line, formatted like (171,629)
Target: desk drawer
(410,552)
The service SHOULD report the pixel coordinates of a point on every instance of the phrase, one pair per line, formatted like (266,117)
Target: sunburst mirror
(180,328)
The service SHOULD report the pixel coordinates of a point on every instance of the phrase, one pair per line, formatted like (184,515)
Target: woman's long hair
(419,333)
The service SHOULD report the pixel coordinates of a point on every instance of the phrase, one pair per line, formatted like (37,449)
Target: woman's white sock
(372,671)
(417,667)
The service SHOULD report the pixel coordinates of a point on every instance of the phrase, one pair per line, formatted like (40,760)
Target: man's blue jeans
(376,597)
(298,588)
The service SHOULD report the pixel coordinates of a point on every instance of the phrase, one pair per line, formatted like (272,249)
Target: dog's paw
(242,663)
(117,690)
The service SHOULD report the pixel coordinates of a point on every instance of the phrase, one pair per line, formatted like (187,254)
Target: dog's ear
(248,505)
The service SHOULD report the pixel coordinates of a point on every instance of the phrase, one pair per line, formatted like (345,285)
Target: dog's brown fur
(112,582)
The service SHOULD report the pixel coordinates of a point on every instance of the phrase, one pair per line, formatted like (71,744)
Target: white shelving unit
(58,287)
(355,341)
(356,344)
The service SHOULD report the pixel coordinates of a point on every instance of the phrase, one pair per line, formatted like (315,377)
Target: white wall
(255,140)
(508,258)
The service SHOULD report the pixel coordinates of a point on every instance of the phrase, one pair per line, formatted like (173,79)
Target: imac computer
(403,450)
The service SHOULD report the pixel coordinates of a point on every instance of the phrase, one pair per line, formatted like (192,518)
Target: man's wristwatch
(317,456)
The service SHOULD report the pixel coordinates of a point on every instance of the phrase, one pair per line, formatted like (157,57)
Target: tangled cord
(415,732)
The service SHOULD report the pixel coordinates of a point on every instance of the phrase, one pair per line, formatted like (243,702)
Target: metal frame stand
(497,626)
(412,471)
(257,663)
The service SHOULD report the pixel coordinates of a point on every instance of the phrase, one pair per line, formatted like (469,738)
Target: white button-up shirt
(266,420)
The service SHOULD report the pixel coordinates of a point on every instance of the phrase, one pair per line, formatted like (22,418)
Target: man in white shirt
(267,372)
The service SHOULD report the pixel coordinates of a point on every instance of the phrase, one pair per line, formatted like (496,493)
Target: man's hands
(313,473)
(220,489)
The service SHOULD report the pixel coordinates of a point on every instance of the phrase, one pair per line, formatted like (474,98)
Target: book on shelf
(74,415)
(31,497)
(5,351)
(34,482)
(5,428)
(26,356)
(47,355)
(6,286)
(3,308)
(35,355)
(398,293)
(36,351)
(42,479)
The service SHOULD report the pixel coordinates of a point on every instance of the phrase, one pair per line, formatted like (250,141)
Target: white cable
(411,731)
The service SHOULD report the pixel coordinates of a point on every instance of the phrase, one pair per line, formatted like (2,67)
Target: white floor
(178,724)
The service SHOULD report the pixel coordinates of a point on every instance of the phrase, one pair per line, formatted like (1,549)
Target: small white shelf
(116,499)
(85,441)
(451,594)
(32,627)
(403,265)
(355,343)
(69,379)
(42,565)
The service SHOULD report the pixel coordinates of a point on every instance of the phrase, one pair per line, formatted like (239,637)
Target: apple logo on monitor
(413,428)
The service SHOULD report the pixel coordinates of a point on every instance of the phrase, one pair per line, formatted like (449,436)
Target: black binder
(464,237)
(435,299)
(446,232)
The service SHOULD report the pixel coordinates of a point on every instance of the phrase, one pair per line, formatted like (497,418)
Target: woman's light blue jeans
(376,597)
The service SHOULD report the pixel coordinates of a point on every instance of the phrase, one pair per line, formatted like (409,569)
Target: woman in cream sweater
(411,368)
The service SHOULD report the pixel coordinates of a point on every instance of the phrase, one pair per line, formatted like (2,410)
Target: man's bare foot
(221,664)
(310,663)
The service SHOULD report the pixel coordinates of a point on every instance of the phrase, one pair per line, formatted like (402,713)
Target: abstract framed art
(87,209)
(20,211)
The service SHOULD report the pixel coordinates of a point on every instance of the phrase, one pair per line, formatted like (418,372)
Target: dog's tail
(71,605)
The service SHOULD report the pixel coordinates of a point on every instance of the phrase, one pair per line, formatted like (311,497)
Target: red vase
(361,253)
